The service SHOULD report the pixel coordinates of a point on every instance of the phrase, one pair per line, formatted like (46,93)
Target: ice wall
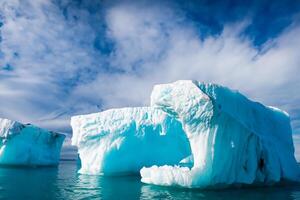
(28,145)
(122,141)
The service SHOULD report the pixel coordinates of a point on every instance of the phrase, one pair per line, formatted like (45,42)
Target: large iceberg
(28,145)
(233,140)
(194,134)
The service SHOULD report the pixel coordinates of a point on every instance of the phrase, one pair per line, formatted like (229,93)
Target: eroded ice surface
(122,141)
(193,135)
(233,140)
(22,144)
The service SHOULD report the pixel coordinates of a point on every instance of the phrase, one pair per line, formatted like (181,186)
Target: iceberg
(122,141)
(233,140)
(28,145)
(193,135)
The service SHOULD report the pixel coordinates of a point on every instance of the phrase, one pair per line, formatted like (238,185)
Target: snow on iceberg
(193,135)
(233,140)
(122,141)
(28,145)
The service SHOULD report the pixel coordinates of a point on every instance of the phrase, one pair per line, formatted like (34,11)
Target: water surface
(64,183)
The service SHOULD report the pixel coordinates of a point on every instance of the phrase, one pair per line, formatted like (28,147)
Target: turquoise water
(64,183)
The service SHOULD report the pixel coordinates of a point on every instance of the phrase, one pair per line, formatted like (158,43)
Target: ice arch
(233,140)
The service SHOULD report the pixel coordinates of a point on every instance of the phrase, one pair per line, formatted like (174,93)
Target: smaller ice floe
(28,145)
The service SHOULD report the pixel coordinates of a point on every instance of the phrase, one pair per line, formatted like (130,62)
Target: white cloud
(46,52)
(162,48)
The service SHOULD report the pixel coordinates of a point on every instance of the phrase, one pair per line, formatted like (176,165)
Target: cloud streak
(148,53)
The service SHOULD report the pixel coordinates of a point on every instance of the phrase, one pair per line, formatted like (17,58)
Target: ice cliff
(194,134)
(25,144)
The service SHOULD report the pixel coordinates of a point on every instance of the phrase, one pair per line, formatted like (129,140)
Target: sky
(62,58)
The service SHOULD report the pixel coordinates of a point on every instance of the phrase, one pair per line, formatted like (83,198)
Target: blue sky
(61,58)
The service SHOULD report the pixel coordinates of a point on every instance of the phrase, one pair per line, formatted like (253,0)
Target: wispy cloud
(47,55)
(147,53)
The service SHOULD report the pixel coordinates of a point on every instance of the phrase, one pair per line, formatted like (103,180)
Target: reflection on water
(64,183)
(150,192)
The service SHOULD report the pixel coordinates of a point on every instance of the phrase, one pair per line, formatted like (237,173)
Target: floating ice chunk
(233,140)
(122,141)
(22,144)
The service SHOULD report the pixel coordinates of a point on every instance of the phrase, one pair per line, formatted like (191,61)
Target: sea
(63,182)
